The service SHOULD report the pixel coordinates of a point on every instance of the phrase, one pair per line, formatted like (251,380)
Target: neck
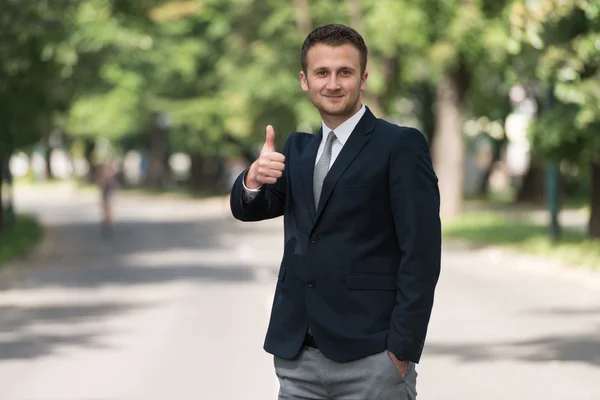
(333,121)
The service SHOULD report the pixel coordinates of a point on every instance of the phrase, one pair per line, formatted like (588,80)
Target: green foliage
(19,238)
(35,56)
(224,69)
(562,40)
(555,136)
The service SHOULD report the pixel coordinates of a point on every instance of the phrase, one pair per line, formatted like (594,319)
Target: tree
(562,40)
(465,40)
(430,52)
(35,57)
(110,83)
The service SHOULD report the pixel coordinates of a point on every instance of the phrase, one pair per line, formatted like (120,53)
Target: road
(175,306)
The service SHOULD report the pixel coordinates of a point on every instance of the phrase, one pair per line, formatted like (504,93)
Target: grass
(19,238)
(506,199)
(485,228)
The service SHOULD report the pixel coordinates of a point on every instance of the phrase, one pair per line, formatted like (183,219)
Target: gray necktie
(322,167)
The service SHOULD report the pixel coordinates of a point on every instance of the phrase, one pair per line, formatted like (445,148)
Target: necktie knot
(330,138)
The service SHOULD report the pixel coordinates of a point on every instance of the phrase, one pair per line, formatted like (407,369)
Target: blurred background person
(107,181)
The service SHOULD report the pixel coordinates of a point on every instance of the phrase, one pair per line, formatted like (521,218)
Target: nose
(332,83)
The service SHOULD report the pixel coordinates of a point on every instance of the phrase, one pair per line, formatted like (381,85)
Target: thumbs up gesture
(268,167)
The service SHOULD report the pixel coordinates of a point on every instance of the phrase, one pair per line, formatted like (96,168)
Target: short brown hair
(334,35)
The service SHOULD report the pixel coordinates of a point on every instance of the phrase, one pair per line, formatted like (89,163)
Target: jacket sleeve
(268,203)
(415,203)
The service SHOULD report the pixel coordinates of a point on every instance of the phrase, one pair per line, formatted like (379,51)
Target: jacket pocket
(360,281)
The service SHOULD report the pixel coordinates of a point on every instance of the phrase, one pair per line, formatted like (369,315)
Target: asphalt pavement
(175,306)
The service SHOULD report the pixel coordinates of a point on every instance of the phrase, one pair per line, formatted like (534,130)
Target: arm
(268,202)
(415,202)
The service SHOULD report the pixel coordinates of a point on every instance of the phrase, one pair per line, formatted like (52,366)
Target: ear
(303,82)
(363,81)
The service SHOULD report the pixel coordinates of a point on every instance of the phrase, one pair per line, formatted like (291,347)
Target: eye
(320,73)
(346,72)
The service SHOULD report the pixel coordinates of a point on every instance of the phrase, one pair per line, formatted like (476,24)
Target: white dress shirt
(342,132)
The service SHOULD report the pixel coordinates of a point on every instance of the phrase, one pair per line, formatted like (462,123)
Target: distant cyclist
(107,181)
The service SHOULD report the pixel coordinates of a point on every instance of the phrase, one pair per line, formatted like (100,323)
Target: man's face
(333,79)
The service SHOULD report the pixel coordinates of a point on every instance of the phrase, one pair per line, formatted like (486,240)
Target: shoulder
(296,142)
(299,139)
(398,132)
(403,136)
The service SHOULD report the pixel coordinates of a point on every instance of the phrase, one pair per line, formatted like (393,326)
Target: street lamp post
(552,183)
(552,199)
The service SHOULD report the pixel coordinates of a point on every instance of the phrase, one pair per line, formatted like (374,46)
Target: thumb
(270,139)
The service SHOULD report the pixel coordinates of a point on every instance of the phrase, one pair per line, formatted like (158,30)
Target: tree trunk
(47,158)
(2,173)
(205,174)
(426,96)
(389,70)
(88,152)
(355,14)
(483,187)
(157,150)
(1,184)
(303,16)
(196,180)
(448,148)
(533,187)
(594,223)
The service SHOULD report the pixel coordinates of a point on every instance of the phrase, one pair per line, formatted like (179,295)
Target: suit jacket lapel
(358,138)
(307,167)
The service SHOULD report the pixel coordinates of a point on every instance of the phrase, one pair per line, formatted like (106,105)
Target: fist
(268,168)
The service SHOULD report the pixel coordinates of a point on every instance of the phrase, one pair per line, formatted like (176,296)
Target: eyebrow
(339,69)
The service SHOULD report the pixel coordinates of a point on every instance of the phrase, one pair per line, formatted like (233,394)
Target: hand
(402,366)
(269,166)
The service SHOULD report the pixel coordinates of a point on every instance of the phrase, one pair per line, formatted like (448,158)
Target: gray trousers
(313,376)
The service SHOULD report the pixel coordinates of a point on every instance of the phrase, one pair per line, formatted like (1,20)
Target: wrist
(398,358)
(249,180)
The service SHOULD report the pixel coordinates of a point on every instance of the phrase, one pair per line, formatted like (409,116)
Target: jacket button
(310,283)
(314,239)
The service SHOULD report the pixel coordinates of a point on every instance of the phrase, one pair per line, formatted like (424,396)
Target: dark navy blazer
(361,270)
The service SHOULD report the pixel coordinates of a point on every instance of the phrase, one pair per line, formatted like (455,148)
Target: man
(362,237)
(107,181)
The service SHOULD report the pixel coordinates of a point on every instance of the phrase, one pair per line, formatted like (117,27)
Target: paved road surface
(174,307)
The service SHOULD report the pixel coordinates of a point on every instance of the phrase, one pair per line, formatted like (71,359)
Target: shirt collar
(343,131)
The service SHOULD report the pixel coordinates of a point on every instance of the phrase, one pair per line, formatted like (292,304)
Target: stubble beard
(344,109)
(341,110)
